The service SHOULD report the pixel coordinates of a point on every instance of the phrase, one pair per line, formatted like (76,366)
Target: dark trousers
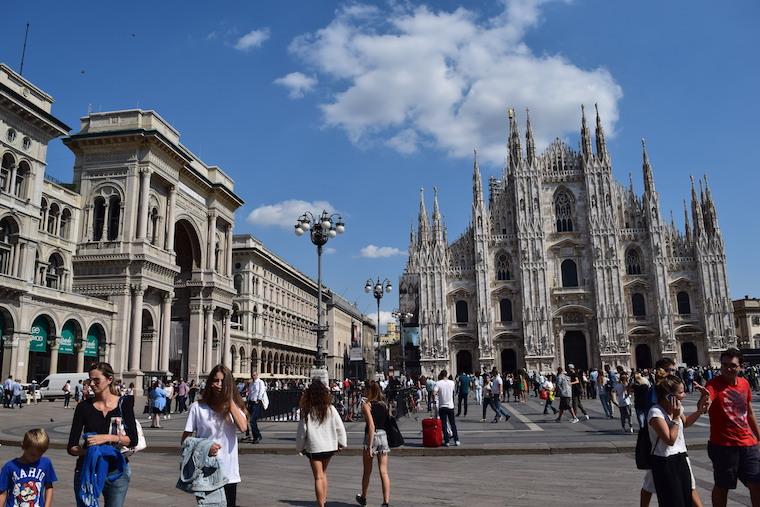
(7,399)
(230,491)
(577,404)
(462,396)
(181,404)
(486,404)
(256,410)
(672,480)
(447,418)
(66,399)
(548,405)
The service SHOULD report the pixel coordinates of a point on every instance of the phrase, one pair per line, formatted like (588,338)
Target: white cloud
(374,252)
(385,317)
(330,250)
(411,73)
(297,84)
(252,40)
(284,214)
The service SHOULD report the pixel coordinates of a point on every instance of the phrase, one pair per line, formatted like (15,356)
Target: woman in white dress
(219,416)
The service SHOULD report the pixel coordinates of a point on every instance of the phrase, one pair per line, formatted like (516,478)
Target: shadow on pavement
(303,503)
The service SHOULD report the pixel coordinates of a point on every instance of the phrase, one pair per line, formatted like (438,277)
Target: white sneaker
(587,417)
(631,429)
(575,420)
(457,443)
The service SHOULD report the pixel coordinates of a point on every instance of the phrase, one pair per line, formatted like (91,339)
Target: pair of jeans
(181,404)
(486,404)
(496,405)
(625,415)
(478,396)
(447,418)
(114,492)
(257,410)
(641,415)
(66,399)
(548,405)
(462,396)
(604,398)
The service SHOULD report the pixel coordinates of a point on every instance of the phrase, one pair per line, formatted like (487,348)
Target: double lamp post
(378,289)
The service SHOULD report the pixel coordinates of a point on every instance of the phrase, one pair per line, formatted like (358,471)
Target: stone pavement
(481,481)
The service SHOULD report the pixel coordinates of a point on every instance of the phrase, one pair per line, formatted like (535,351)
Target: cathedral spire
(686,226)
(530,145)
(437,224)
(601,143)
(423,232)
(585,136)
(647,169)
(711,215)
(696,212)
(477,184)
(515,149)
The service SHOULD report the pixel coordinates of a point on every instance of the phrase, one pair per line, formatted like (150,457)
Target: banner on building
(38,338)
(355,353)
(91,346)
(66,343)
(411,335)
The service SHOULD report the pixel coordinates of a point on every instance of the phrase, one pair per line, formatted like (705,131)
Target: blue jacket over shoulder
(201,474)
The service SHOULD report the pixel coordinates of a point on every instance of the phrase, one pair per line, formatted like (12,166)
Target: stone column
(142,208)
(16,253)
(211,256)
(229,250)
(194,356)
(54,355)
(120,232)
(166,328)
(209,350)
(136,330)
(87,223)
(169,244)
(12,181)
(80,354)
(106,221)
(21,263)
(226,355)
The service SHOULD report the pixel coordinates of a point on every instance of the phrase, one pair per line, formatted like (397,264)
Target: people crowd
(105,430)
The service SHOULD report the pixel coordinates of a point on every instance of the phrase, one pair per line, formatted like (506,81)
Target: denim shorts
(379,442)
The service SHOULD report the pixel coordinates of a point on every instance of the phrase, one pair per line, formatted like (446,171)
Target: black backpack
(644,449)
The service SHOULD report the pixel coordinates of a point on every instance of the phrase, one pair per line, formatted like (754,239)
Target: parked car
(52,387)
(25,395)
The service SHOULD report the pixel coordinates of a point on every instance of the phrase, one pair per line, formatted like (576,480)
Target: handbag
(543,394)
(122,431)
(395,438)
(644,450)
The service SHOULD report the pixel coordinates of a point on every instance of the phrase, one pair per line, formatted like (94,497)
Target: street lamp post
(402,316)
(377,289)
(322,229)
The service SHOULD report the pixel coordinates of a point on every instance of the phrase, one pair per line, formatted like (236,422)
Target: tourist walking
(17,390)
(376,415)
(219,416)
(671,470)
(169,390)
(257,401)
(78,392)
(497,387)
(641,398)
(106,419)
(565,395)
(320,433)
(622,400)
(734,432)
(548,388)
(576,390)
(182,390)
(463,392)
(486,395)
(478,385)
(444,397)
(604,390)
(157,402)
(8,392)
(66,394)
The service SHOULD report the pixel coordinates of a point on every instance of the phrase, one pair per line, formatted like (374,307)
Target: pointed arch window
(633,262)
(503,267)
(505,307)
(564,211)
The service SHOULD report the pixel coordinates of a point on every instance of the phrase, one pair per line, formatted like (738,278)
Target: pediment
(566,243)
(459,293)
(637,283)
(681,280)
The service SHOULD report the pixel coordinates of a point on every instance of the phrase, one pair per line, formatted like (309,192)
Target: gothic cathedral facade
(564,265)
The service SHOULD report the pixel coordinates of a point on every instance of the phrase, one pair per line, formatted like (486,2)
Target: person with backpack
(671,469)
(463,392)
(376,416)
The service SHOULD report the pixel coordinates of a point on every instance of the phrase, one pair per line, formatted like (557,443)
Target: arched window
(235,317)
(98,218)
(563,211)
(238,281)
(52,218)
(153,234)
(638,305)
(505,307)
(65,223)
(503,267)
(43,212)
(5,172)
(114,212)
(54,272)
(22,177)
(683,302)
(633,262)
(461,312)
(8,245)
(569,273)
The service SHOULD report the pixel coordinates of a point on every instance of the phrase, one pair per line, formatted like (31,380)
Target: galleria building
(135,262)
(561,264)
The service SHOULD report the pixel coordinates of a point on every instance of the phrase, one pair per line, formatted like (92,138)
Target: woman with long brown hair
(320,433)
(218,416)
(376,414)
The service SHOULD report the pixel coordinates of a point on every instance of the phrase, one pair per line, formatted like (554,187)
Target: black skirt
(672,480)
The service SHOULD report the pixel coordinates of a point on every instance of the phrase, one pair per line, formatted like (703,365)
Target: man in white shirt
(8,392)
(257,401)
(444,396)
(497,388)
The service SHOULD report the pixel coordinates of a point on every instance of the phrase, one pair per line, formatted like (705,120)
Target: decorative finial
(510,113)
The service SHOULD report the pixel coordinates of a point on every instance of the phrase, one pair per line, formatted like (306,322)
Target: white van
(52,387)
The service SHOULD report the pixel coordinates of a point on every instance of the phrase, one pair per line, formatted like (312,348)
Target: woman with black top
(376,415)
(100,416)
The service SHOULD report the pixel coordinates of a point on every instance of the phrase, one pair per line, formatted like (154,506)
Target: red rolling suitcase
(432,432)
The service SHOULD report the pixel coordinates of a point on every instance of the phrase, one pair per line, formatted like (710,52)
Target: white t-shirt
(662,449)
(497,385)
(445,390)
(207,424)
(623,396)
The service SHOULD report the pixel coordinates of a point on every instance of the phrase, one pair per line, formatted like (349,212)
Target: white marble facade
(562,264)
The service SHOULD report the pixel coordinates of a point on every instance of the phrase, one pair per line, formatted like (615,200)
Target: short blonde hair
(36,438)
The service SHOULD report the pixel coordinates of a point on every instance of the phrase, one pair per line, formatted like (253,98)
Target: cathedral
(562,264)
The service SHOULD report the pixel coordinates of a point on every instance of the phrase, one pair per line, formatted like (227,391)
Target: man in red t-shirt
(733,446)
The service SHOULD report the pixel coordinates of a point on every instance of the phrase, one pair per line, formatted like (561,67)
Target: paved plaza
(529,461)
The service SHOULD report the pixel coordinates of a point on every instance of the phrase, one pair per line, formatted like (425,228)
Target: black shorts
(319,455)
(734,462)
(564,403)
(156,410)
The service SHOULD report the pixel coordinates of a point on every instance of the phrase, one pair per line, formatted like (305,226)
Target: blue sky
(358,105)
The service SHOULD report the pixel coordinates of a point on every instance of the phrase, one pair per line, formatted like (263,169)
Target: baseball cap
(571,365)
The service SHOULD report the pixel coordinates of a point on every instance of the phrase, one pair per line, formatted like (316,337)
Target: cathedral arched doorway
(643,356)
(464,361)
(689,354)
(574,346)
(508,361)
